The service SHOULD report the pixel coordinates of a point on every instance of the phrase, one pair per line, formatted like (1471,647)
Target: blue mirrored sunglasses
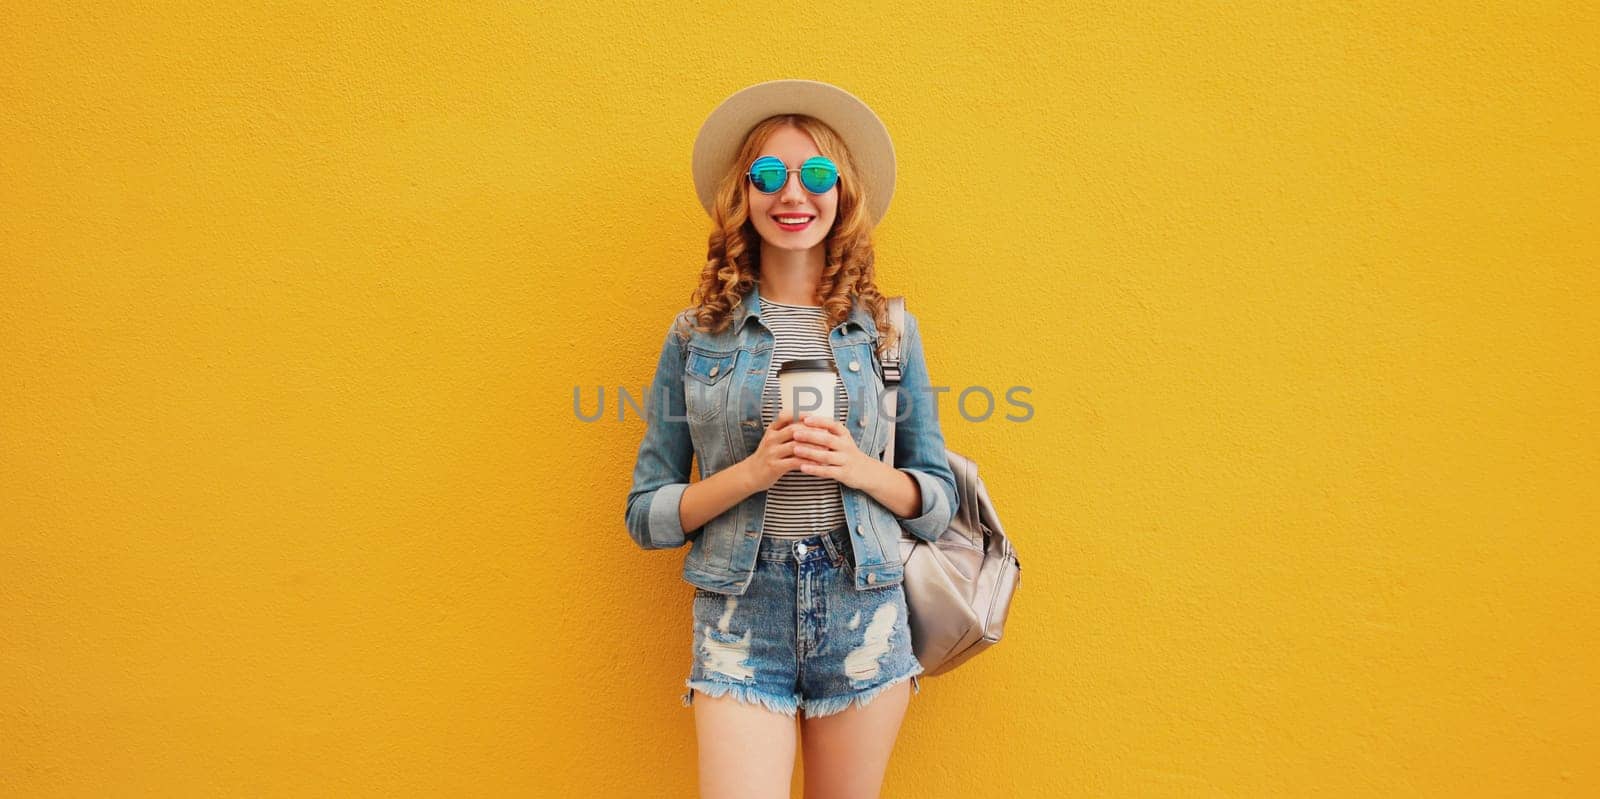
(769,174)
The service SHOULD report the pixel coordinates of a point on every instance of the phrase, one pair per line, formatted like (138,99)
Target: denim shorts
(802,637)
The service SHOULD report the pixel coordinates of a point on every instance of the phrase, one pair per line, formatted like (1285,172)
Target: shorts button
(872,578)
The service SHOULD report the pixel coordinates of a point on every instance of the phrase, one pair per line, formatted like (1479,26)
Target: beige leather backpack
(958,587)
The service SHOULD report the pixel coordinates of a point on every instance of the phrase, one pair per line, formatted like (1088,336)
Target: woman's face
(792,146)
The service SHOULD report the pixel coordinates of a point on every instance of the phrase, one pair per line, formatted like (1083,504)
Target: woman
(794,524)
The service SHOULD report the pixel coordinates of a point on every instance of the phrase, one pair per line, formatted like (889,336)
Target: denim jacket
(705,401)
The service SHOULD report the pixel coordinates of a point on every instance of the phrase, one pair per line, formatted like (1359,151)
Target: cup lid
(809,365)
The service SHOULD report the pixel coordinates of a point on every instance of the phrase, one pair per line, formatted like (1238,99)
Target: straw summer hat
(863,132)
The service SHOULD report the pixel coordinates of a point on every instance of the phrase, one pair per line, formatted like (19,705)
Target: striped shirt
(799,504)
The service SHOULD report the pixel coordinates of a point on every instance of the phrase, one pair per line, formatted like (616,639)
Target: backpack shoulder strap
(891,366)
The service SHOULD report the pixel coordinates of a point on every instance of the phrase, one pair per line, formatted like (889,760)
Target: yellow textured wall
(293,500)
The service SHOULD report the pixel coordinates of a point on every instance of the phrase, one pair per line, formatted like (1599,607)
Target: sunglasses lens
(767,174)
(818,174)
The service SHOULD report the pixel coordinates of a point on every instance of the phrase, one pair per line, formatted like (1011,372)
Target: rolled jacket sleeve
(661,470)
(919,448)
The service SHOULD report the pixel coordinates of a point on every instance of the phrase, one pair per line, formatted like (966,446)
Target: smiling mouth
(805,220)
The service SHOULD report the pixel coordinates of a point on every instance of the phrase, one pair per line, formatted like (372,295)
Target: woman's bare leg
(847,753)
(746,751)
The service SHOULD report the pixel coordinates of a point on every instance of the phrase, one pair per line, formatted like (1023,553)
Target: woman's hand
(826,449)
(774,456)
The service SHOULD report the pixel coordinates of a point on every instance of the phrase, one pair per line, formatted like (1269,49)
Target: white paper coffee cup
(807,386)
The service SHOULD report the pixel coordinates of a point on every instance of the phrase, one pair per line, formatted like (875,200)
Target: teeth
(793,220)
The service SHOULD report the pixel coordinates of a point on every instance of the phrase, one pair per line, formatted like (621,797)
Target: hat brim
(724,130)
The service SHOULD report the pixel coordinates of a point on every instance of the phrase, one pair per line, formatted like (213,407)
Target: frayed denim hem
(788,706)
(816,708)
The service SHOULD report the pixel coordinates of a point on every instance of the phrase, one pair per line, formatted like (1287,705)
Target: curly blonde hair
(735,245)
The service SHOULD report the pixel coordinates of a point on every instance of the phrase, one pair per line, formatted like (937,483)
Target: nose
(793,193)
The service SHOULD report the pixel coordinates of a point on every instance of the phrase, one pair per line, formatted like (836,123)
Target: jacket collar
(860,315)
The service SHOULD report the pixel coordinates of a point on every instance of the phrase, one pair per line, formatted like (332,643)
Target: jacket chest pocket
(707,378)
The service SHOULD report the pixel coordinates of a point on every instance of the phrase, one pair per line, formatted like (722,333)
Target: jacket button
(860,530)
(872,578)
(861,421)
(713,371)
(855,366)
